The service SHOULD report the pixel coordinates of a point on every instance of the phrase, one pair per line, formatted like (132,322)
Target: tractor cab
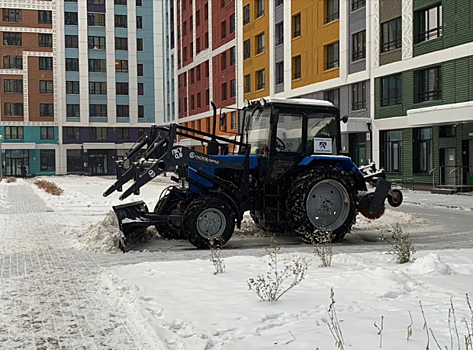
(296,127)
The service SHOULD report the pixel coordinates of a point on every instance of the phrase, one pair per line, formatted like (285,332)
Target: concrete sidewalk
(51,295)
(425,198)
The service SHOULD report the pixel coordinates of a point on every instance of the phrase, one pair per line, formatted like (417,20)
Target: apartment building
(399,69)
(28,87)
(206,62)
(110,64)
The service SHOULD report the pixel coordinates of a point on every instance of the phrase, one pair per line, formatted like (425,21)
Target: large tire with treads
(209,218)
(167,207)
(323,198)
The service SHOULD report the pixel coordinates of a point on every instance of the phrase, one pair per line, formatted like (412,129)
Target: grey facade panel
(278,50)
(390,56)
(279,88)
(357,23)
(389,9)
(278,14)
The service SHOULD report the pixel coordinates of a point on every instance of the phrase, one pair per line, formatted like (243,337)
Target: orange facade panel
(11,17)
(256,64)
(38,92)
(310,48)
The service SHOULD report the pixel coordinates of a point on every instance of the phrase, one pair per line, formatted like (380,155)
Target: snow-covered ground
(184,305)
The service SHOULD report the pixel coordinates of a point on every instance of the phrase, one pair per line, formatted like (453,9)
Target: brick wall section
(29,18)
(357,23)
(35,98)
(9,97)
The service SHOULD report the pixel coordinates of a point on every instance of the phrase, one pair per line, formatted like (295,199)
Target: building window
(246,49)
(48,159)
(70,18)
(280,73)
(141,89)
(332,10)
(279,3)
(260,43)
(232,56)
(199,100)
(97,65)
(121,21)
(11,15)
(247,83)
(139,3)
(121,66)
(391,90)
(45,17)
(45,86)
(141,112)
(447,130)
(260,79)
(224,29)
(296,25)
(297,67)
(46,110)
(233,124)
(96,19)
(429,23)
(422,150)
(140,69)
(97,88)
(123,133)
(72,64)
(45,40)
(97,42)
(12,62)
(192,102)
(224,91)
(430,84)
(74,160)
(122,88)
(224,60)
(333,96)
(359,46)
(72,87)
(46,63)
(73,133)
(98,133)
(13,109)
(391,35)
(13,85)
(391,150)
(47,133)
(139,22)
(139,44)
(279,33)
(73,111)
(232,88)
(12,39)
(357,4)
(98,110)
(14,133)
(120,2)
(206,10)
(72,41)
(123,111)
(246,14)
(121,44)
(332,56)
(359,96)
(206,67)
(259,8)
(232,23)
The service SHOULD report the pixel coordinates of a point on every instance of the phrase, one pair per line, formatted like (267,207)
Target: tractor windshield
(257,130)
(322,131)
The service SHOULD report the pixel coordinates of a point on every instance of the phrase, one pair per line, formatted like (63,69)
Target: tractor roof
(299,101)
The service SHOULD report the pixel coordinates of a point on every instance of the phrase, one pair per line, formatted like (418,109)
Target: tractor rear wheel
(324,198)
(167,207)
(209,219)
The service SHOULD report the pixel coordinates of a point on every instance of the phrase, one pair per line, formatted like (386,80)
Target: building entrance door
(449,162)
(14,159)
(97,163)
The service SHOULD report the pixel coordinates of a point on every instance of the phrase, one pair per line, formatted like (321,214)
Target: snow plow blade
(134,217)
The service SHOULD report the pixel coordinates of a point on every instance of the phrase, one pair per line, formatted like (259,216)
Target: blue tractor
(286,169)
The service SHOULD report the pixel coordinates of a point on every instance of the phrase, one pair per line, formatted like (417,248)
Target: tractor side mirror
(345,119)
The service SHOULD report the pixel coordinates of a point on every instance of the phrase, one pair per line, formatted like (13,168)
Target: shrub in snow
(400,243)
(332,322)
(322,242)
(49,187)
(10,179)
(270,287)
(215,251)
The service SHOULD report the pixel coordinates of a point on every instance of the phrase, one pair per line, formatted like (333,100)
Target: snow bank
(430,265)
(103,237)
(387,221)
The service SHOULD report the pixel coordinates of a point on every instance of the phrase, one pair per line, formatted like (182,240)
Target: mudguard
(342,162)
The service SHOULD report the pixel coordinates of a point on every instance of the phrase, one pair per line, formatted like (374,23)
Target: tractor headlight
(246,103)
(262,102)
(184,185)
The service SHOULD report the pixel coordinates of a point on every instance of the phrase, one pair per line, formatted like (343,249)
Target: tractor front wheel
(209,219)
(324,198)
(168,205)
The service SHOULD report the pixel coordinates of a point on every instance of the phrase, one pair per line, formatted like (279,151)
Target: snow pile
(103,237)
(248,228)
(387,221)
(431,265)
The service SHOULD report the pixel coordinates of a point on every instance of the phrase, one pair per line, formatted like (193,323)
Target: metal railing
(450,175)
